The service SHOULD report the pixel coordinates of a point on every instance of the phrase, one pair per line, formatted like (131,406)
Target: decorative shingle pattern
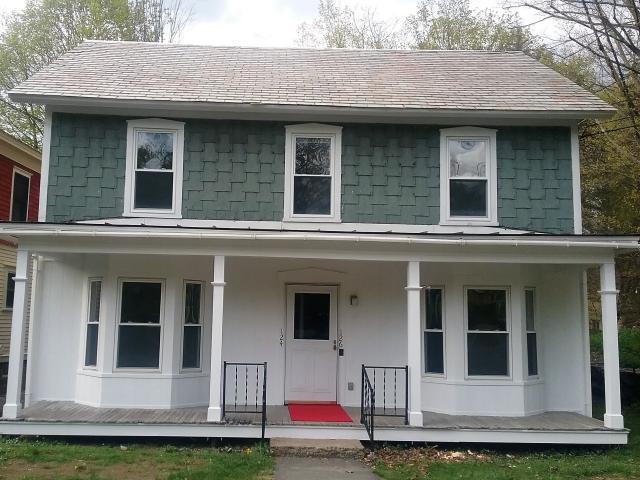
(388,79)
(234,170)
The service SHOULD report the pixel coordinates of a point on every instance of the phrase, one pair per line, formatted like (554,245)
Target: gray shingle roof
(387,79)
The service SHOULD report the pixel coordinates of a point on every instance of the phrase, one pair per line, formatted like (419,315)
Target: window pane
(488,353)
(434,308)
(20,198)
(191,347)
(154,190)
(139,346)
(140,302)
(192,303)
(94,301)
(11,289)
(434,358)
(468,198)
(529,310)
(91,349)
(155,150)
(311,317)
(313,156)
(467,158)
(532,353)
(312,195)
(487,310)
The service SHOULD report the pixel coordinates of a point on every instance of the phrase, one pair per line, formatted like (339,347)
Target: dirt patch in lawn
(16,469)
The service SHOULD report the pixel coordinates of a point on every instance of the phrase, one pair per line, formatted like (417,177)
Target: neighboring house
(19,192)
(317,210)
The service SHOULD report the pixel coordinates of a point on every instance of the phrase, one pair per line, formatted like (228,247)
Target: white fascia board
(249,111)
(23,231)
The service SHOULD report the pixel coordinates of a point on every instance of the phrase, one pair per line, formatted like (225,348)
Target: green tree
(46,29)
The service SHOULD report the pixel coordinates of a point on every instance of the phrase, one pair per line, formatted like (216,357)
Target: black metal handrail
(246,403)
(393,384)
(367,404)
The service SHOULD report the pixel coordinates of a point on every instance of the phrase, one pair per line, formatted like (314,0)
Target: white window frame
(315,130)
(191,325)
(155,125)
(507,332)
(471,134)
(535,331)
(87,315)
(24,173)
(427,330)
(121,281)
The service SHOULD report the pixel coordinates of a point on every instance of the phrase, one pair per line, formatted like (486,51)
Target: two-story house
(344,235)
(19,192)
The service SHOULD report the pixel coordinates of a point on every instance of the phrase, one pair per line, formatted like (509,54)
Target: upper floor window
(153,186)
(20,196)
(468,176)
(312,173)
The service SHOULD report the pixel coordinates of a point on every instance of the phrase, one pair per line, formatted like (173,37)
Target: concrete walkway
(314,468)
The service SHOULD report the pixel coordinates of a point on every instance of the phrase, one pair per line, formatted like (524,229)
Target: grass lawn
(514,463)
(25,458)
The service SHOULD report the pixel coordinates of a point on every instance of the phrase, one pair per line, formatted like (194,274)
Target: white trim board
(44,169)
(575,180)
(210,430)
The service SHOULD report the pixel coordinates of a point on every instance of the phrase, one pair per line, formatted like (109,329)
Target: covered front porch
(314,309)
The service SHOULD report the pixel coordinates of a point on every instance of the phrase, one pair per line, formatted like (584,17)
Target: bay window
(192,325)
(93,323)
(468,176)
(140,323)
(532,338)
(433,332)
(153,184)
(312,173)
(487,331)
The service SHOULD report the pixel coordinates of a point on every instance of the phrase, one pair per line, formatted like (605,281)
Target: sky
(274,23)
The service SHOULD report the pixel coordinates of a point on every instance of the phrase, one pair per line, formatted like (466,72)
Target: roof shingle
(386,79)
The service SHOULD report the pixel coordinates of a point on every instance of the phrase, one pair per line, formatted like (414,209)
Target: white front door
(311,355)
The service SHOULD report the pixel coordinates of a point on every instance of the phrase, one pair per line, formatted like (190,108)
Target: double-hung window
(468,176)
(140,323)
(532,340)
(434,332)
(487,331)
(20,196)
(153,184)
(93,323)
(312,173)
(10,290)
(192,325)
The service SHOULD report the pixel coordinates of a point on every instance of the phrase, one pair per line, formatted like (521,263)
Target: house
(19,191)
(372,244)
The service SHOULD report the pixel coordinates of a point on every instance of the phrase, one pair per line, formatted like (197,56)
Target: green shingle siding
(234,170)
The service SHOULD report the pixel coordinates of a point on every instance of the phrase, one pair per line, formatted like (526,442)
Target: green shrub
(628,343)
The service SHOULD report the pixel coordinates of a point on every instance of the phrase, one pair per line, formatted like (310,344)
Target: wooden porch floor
(69,412)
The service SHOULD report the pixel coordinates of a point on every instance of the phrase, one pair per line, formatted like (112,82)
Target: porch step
(311,447)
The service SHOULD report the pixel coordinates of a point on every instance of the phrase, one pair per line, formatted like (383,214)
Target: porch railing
(248,394)
(385,393)
(367,404)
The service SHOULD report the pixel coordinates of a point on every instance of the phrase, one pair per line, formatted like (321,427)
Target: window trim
(24,173)
(534,331)
(116,348)
(184,325)
(87,313)
(443,331)
(8,272)
(508,332)
(317,130)
(158,125)
(469,133)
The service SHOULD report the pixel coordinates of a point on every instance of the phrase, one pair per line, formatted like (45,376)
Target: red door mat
(318,412)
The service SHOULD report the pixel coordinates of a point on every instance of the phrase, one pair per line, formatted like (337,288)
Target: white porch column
(414,343)
(608,294)
(13,406)
(214,413)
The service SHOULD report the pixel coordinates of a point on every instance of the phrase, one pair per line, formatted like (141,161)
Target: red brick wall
(6,179)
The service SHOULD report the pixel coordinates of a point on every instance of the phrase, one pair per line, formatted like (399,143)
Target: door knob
(335,345)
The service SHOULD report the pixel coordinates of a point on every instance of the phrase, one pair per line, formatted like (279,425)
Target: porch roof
(348,245)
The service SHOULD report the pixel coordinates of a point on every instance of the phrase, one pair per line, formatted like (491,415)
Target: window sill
(311,219)
(149,214)
(143,374)
(469,223)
